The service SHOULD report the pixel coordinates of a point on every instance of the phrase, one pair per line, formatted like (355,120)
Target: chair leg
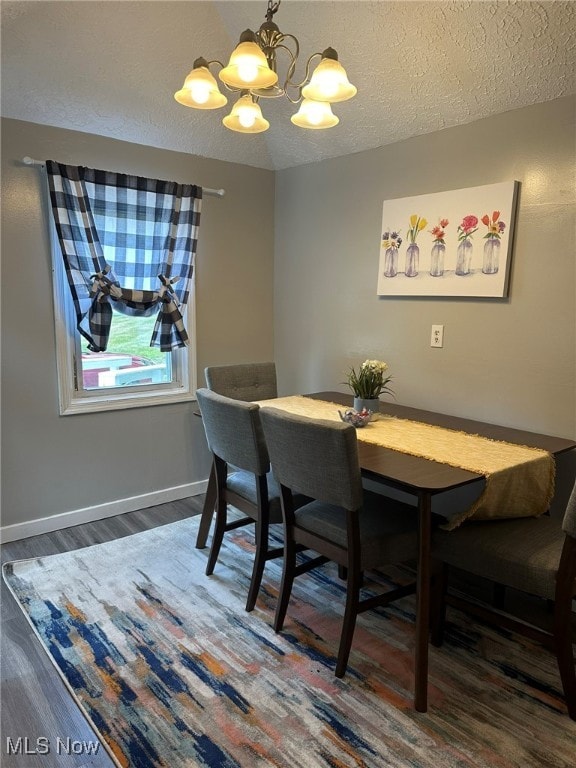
(438,604)
(259,560)
(343,574)
(207,510)
(564,652)
(349,622)
(218,535)
(288,574)
(565,580)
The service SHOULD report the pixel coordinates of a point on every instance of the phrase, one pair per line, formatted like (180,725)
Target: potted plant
(368,383)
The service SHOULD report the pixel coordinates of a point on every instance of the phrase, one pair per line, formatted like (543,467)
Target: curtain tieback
(166,292)
(102,286)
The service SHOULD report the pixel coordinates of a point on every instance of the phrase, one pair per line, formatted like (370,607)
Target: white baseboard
(99,512)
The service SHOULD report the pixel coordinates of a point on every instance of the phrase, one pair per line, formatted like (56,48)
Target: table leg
(207,510)
(423,603)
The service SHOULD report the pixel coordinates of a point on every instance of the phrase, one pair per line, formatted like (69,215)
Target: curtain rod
(205,190)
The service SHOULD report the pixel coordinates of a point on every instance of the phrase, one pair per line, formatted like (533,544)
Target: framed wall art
(455,243)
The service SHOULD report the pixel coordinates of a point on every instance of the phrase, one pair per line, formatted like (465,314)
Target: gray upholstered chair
(357,529)
(235,438)
(533,555)
(247,382)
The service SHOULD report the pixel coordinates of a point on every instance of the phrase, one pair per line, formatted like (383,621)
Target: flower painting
(417,224)
(456,243)
(467,228)
(495,225)
(439,231)
(438,248)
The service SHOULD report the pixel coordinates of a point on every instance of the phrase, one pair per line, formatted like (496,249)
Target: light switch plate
(437,336)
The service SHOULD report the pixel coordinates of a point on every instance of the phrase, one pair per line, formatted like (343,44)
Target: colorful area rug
(172,672)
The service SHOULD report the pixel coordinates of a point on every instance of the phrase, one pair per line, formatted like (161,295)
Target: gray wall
(510,361)
(53,464)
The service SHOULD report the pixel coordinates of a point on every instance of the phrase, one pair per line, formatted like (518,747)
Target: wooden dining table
(422,479)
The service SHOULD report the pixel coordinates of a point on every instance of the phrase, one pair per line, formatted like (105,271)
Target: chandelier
(252,73)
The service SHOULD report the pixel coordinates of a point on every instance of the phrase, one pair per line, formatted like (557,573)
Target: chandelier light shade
(329,81)
(246,116)
(200,89)
(315,115)
(252,71)
(248,66)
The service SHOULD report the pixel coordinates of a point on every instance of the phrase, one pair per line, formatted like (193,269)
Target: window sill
(119,401)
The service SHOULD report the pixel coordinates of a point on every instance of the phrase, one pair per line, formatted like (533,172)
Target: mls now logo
(70,746)
(26,746)
(23,745)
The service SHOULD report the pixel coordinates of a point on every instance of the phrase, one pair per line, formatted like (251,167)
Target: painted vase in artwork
(465,230)
(463,257)
(437,259)
(491,261)
(412,260)
(391,262)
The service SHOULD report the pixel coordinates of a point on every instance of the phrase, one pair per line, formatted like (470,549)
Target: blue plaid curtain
(128,245)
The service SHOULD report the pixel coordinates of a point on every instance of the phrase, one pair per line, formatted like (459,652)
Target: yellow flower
(416,225)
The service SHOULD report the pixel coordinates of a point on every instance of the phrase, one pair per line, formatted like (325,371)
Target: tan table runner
(519,479)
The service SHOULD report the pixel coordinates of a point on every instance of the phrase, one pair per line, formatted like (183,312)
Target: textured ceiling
(111,68)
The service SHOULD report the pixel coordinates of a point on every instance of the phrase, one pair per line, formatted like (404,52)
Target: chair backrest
(249,381)
(316,458)
(233,431)
(569,522)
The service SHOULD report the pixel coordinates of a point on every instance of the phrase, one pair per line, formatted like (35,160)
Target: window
(120,341)
(78,370)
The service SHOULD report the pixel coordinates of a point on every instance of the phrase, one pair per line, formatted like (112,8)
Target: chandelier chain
(272,9)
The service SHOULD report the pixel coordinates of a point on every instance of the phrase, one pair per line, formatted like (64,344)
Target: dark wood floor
(35,704)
